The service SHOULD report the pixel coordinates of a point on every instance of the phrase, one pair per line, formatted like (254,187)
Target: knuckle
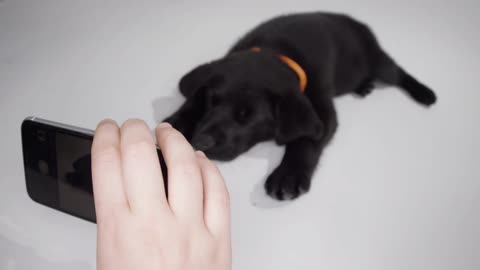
(109,220)
(180,252)
(105,155)
(138,147)
(184,169)
(211,254)
(221,190)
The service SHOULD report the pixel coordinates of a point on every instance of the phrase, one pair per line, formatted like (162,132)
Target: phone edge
(84,131)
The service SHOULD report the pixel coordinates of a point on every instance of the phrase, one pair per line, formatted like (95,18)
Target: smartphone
(57,166)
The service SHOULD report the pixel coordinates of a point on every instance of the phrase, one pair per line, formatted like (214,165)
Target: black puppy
(254,93)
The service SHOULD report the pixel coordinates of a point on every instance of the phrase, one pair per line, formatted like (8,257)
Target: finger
(141,169)
(108,188)
(185,188)
(216,202)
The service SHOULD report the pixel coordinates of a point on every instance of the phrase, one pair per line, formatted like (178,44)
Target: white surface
(397,189)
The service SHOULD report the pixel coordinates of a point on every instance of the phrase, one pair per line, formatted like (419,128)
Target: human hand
(138,228)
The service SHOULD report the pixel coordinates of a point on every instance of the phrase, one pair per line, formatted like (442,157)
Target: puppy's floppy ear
(296,118)
(200,77)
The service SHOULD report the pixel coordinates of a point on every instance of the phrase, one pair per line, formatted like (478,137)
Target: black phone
(57,166)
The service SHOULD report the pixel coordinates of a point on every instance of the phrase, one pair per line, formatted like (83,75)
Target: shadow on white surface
(260,199)
(165,106)
(273,154)
(19,257)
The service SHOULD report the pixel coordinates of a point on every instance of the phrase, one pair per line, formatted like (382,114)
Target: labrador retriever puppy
(278,82)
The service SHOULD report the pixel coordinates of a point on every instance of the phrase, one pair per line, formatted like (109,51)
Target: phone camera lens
(42,135)
(43,167)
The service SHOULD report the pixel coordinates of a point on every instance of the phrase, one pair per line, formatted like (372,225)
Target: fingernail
(201,154)
(164,125)
(107,121)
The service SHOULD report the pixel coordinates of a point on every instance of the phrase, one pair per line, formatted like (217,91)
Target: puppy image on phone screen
(278,83)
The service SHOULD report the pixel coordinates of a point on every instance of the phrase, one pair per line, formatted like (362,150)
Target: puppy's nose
(203,142)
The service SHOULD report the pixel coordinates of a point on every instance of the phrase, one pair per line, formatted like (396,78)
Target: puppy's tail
(389,72)
(416,89)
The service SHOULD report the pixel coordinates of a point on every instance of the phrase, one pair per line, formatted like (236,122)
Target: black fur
(247,97)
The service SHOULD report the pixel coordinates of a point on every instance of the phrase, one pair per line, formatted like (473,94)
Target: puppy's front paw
(287,184)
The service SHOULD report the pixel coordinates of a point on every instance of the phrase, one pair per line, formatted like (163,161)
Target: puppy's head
(247,98)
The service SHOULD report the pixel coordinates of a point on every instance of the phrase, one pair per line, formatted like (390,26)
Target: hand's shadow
(165,106)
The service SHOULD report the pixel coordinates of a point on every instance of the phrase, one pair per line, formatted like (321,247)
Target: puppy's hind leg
(387,71)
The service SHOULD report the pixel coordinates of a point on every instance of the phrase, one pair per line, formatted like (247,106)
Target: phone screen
(74,175)
(58,168)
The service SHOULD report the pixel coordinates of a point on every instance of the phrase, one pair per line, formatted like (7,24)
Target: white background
(398,188)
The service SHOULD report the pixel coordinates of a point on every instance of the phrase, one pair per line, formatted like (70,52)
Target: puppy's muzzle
(203,142)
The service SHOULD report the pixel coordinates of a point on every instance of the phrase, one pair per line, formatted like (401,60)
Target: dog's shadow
(167,105)
(273,154)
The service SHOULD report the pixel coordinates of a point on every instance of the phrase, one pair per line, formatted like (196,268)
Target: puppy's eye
(242,115)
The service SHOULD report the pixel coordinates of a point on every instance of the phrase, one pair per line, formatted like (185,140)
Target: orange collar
(302,75)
